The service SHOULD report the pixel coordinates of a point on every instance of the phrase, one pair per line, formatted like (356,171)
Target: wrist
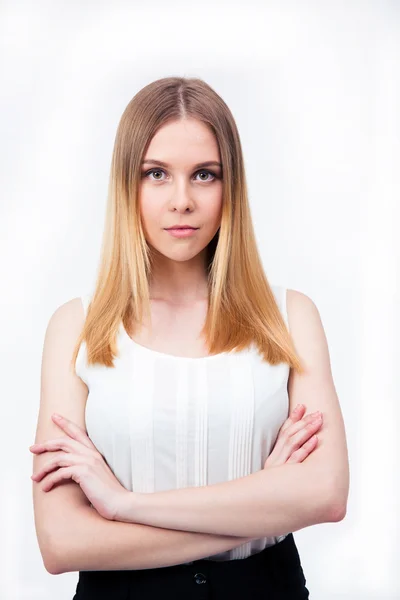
(126,507)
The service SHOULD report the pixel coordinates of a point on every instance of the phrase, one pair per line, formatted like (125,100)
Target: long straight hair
(242,309)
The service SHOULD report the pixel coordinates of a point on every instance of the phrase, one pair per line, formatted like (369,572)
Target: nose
(181,199)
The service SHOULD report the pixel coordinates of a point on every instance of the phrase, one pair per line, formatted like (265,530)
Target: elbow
(47,551)
(53,557)
(59,562)
(336,512)
(51,566)
(336,504)
(50,562)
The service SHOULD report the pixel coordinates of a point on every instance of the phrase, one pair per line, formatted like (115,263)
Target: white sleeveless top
(165,422)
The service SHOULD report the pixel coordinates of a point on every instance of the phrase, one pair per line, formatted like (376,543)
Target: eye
(206,171)
(153,171)
(214,176)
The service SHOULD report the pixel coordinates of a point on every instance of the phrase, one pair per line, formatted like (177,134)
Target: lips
(182,232)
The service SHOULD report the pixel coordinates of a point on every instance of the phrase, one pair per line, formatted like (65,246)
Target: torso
(177,329)
(163,422)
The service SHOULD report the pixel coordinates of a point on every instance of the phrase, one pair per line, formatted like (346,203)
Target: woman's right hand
(296,438)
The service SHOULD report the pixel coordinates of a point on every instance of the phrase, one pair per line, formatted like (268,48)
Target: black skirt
(275,573)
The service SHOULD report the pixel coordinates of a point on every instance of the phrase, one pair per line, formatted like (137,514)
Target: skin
(180,194)
(179,283)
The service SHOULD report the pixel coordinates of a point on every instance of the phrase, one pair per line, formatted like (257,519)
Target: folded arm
(271,502)
(88,542)
(72,536)
(282,499)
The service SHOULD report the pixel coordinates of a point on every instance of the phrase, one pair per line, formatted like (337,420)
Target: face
(174,190)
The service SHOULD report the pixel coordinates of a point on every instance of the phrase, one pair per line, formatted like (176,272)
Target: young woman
(184,465)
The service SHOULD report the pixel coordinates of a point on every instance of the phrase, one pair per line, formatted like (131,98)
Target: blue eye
(214,175)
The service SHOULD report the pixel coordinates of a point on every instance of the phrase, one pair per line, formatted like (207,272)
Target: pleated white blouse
(166,422)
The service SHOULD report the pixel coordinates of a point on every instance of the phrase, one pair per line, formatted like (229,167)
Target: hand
(80,460)
(294,442)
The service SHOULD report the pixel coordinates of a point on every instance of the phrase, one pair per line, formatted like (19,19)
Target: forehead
(185,141)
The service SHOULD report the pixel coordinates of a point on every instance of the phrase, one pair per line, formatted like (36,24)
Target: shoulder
(300,306)
(70,312)
(307,329)
(66,321)
(60,342)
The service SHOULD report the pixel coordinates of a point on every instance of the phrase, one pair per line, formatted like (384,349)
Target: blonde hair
(242,308)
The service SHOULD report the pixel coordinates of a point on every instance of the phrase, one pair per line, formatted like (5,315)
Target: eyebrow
(210,163)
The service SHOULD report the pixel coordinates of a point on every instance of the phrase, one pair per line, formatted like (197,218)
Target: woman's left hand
(79,459)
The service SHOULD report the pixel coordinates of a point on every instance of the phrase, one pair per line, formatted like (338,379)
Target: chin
(179,255)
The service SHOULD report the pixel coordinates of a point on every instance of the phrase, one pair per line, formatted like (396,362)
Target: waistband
(283,555)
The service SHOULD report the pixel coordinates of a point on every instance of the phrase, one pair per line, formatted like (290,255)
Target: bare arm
(282,499)
(270,502)
(71,534)
(88,542)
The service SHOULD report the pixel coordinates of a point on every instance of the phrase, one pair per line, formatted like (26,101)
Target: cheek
(214,211)
(151,214)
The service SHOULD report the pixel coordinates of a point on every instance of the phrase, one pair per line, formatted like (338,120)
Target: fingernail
(297,408)
(57,416)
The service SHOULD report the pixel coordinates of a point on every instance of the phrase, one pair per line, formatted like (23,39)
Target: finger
(283,447)
(305,421)
(62,460)
(289,443)
(294,417)
(293,428)
(287,432)
(302,453)
(294,442)
(297,412)
(72,429)
(64,443)
(60,475)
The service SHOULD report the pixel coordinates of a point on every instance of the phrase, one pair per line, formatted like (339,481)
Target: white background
(314,89)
